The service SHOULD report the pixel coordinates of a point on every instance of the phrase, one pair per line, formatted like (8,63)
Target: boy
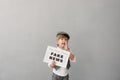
(60,73)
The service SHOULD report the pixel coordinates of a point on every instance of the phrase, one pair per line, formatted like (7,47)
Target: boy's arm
(72,56)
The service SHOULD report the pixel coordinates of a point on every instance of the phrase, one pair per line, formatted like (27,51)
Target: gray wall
(28,26)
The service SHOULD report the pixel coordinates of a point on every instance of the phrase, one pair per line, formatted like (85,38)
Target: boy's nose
(63,41)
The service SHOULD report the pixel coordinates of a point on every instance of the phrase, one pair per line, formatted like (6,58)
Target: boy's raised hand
(71,54)
(66,47)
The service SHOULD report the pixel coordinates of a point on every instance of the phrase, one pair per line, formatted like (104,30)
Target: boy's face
(62,42)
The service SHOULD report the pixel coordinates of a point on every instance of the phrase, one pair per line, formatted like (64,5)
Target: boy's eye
(66,39)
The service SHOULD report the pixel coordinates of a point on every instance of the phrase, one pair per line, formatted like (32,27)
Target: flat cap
(64,34)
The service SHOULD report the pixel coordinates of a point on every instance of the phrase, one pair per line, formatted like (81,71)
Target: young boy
(60,73)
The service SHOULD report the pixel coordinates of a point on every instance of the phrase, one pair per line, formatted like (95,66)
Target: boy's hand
(66,47)
(53,64)
(71,56)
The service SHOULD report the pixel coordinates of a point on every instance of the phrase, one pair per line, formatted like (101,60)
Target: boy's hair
(62,35)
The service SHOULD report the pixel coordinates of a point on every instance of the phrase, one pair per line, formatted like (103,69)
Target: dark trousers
(56,77)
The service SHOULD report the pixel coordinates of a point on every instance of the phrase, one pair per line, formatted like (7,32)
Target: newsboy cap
(64,34)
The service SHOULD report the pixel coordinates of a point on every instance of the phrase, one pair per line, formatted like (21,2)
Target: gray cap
(64,34)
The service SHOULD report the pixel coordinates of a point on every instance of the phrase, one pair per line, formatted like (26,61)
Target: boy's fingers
(53,62)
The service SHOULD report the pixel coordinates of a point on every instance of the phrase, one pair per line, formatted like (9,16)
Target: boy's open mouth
(63,43)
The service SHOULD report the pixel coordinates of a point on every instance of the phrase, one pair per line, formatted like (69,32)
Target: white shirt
(61,71)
